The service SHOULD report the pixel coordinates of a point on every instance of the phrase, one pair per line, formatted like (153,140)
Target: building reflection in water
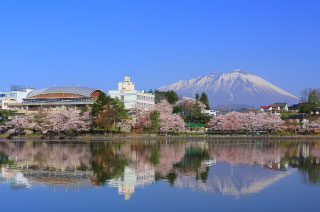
(218,168)
(137,175)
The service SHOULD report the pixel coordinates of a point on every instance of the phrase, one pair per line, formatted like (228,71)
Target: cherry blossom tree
(125,125)
(140,117)
(169,122)
(19,125)
(230,121)
(236,121)
(270,122)
(188,104)
(164,107)
(314,125)
(64,121)
(249,121)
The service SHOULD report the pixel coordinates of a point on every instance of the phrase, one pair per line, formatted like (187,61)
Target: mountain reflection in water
(223,168)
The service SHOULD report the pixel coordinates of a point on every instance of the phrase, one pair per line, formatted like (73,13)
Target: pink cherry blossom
(188,104)
(64,121)
(236,121)
(314,125)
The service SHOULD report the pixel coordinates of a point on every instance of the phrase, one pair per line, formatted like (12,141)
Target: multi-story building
(16,92)
(276,108)
(130,97)
(74,98)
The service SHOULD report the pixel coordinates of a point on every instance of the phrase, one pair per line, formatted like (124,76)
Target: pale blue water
(159,176)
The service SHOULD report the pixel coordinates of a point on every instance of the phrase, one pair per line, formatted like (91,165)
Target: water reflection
(213,167)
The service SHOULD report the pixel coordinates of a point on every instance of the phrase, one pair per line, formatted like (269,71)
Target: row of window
(145,98)
(145,104)
(58,100)
(8,95)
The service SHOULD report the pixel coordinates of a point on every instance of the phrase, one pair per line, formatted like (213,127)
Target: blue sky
(95,43)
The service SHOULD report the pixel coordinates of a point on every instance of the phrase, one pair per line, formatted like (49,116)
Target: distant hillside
(233,88)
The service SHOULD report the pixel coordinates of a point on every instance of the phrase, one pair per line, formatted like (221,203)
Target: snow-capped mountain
(233,88)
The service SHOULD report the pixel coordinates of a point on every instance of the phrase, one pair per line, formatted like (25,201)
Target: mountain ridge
(235,87)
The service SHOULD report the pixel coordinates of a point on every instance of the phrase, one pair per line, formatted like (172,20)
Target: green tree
(101,101)
(5,115)
(155,121)
(204,99)
(313,98)
(305,108)
(172,97)
(159,96)
(176,109)
(120,109)
(196,111)
(107,111)
(197,97)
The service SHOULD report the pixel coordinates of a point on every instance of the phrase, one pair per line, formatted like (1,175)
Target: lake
(160,175)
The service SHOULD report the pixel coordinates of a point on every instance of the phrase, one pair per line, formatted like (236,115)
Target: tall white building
(131,97)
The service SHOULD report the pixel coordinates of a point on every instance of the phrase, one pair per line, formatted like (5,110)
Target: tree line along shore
(171,116)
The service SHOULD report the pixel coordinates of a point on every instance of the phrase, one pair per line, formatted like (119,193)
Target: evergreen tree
(106,112)
(196,111)
(172,97)
(204,99)
(121,112)
(176,109)
(101,101)
(159,96)
(197,97)
(304,108)
(155,121)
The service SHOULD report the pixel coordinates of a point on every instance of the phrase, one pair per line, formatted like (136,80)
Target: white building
(211,113)
(17,92)
(131,97)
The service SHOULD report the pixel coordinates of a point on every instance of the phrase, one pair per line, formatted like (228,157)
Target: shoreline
(159,138)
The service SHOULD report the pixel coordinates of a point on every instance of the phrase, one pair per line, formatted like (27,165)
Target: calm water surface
(160,176)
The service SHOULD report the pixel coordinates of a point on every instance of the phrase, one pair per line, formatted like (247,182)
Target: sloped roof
(298,116)
(63,89)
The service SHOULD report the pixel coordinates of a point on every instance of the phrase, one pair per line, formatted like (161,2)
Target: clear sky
(95,43)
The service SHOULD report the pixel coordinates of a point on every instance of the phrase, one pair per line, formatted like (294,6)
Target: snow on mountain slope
(236,87)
